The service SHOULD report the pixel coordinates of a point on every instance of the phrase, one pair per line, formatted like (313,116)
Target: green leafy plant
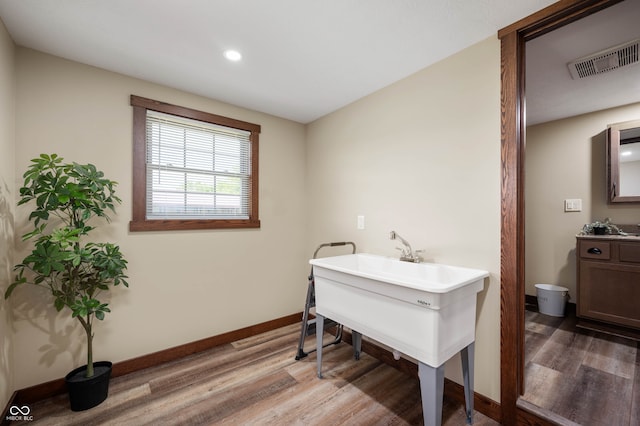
(609,228)
(67,196)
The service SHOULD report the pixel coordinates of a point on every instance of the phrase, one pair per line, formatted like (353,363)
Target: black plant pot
(87,392)
(599,230)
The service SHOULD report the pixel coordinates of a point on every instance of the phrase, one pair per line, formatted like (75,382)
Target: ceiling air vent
(606,60)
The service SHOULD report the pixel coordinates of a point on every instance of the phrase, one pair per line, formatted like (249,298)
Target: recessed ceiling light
(232,55)
(625,153)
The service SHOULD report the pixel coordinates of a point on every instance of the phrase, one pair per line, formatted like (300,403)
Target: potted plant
(601,228)
(75,270)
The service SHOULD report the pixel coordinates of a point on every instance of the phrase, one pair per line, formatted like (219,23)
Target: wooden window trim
(139,220)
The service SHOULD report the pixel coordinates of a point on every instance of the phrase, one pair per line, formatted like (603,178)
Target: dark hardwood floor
(587,377)
(257,381)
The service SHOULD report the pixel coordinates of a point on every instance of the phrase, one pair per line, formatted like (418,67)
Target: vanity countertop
(632,237)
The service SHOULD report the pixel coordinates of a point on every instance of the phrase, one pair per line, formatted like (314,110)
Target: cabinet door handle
(594,250)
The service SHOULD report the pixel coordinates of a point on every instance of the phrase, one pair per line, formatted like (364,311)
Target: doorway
(513,39)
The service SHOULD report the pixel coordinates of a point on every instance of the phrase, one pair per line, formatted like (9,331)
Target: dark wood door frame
(512,97)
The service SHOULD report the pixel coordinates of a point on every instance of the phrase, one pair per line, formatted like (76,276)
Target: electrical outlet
(573,205)
(360,222)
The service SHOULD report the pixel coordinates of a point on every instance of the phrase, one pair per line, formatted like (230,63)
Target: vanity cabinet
(608,281)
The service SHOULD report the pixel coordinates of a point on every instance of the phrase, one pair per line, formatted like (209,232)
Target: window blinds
(196,170)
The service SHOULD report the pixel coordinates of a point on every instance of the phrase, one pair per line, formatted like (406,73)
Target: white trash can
(552,299)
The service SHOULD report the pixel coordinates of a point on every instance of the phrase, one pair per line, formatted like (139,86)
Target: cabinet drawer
(629,252)
(595,249)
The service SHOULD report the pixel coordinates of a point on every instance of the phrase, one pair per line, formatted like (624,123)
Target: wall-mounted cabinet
(623,162)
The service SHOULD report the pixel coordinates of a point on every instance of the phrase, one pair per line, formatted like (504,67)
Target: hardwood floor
(587,377)
(257,381)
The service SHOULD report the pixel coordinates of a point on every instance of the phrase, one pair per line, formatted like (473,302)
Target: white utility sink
(424,310)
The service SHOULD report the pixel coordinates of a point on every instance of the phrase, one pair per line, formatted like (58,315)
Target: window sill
(177,225)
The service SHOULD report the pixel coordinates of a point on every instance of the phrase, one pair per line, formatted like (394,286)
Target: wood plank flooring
(257,381)
(587,377)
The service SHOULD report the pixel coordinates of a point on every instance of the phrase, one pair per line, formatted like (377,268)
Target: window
(192,170)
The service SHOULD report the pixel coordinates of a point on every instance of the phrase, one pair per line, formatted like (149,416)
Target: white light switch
(573,205)
(360,222)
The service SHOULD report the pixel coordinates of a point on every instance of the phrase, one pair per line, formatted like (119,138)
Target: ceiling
(301,59)
(552,94)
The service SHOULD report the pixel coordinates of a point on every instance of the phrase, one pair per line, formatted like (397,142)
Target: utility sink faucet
(408,255)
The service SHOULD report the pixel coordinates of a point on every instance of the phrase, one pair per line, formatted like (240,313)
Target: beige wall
(567,159)
(7,143)
(421,157)
(185,285)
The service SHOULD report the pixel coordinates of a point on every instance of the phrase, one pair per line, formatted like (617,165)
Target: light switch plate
(573,205)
